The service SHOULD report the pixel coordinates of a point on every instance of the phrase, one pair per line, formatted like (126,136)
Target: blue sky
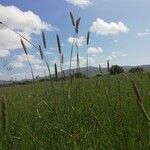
(120,32)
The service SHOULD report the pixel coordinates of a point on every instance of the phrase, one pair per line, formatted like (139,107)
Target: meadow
(96,113)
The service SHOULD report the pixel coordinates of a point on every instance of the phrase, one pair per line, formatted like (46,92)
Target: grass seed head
(24,47)
(72,19)
(88,38)
(41,52)
(58,44)
(44,40)
(56,73)
(77,25)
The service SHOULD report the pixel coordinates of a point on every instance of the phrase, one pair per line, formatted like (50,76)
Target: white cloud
(10,40)
(45,52)
(80,3)
(26,23)
(4,53)
(103,28)
(109,58)
(94,50)
(115,55)
(39,67)
(81,40)
(115,41)
(124,55)
(145,33)
(83,61)
(18,64)
(48,53)
(32,59)
(22,59)
(112,56)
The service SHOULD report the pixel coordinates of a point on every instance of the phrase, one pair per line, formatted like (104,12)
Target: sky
(119,31)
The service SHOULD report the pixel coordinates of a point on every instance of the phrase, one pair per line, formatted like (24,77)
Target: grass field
(97,113)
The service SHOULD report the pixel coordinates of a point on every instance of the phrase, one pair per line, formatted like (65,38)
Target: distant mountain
(3,82)
(92,72)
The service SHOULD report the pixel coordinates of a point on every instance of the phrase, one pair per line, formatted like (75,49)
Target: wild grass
(75,24)
(100,114)
(94,113)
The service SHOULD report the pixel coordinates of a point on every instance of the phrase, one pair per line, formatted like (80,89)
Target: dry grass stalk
(49,71)
(72,47)
(139,100)
(78,63)
(62,58)
(31,43)
(75,41)
(44,58)
(123,136)
(25,50)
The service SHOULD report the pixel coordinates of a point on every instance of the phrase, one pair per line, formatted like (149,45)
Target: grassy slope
(88,114)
